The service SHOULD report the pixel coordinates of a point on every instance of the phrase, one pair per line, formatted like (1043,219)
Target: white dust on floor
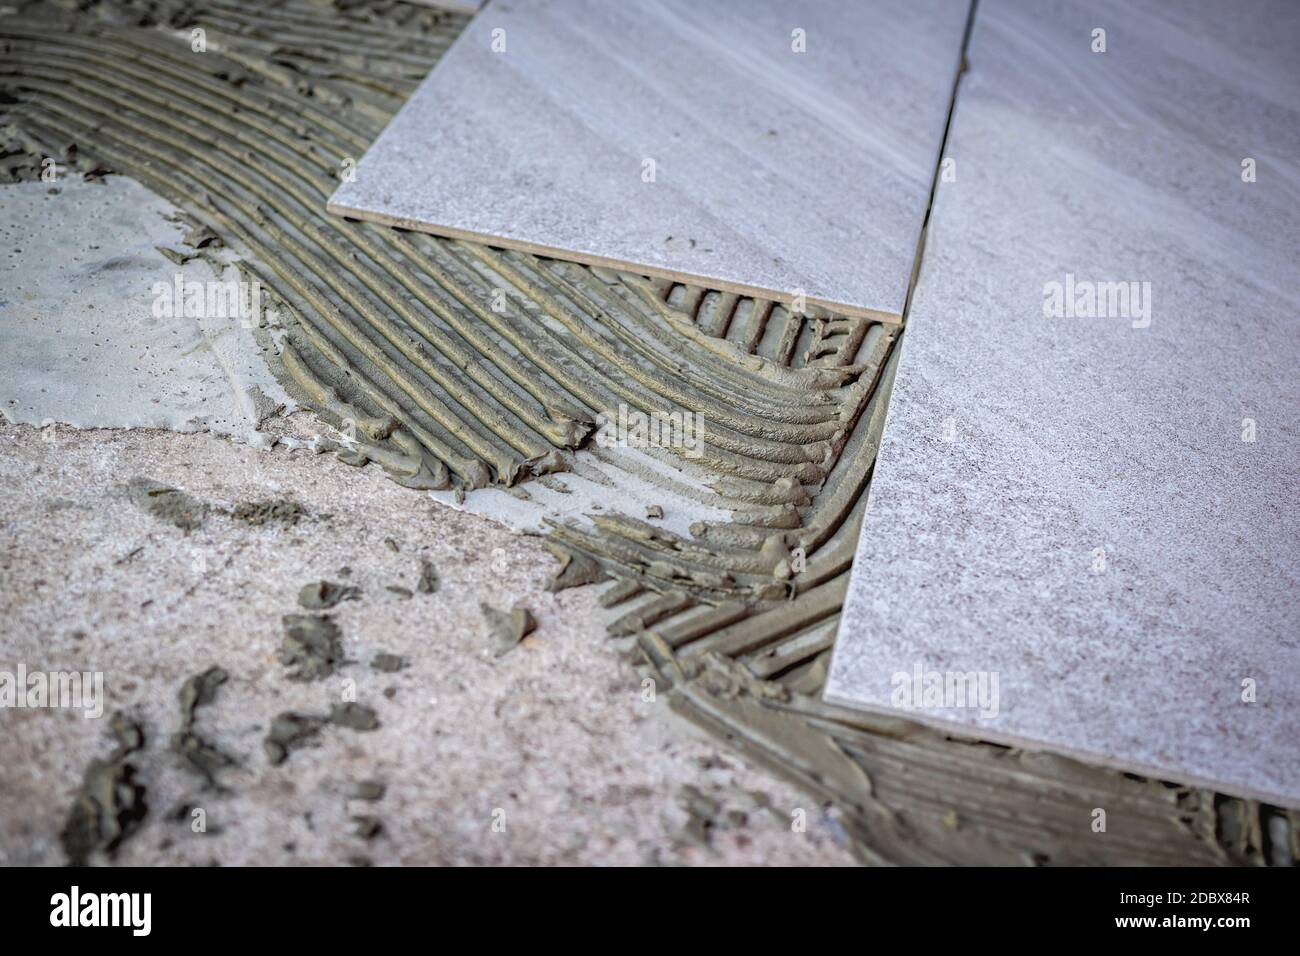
(90,330)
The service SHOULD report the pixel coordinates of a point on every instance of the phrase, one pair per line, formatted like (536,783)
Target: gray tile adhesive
(392,337)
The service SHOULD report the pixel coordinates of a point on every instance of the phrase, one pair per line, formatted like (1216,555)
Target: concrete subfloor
(556,733)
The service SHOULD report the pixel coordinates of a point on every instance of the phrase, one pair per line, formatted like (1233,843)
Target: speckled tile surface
(759,147)
(1099,514)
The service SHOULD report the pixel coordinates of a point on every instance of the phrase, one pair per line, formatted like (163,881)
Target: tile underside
(1101,511)
(775,172)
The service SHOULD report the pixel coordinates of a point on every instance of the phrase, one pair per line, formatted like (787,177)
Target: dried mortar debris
(389,663)
(354,716)
(368,790)
(289,732)
(506,630)
(111,805)
(200,756)
(167,503)
(323,595)
(429,581)
(282,511)
(312,646)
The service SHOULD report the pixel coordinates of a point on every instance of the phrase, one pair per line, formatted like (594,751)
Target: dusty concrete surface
(104,329)
(555,733)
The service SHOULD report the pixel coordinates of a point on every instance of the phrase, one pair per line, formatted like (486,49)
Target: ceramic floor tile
(763,147)
(1093,519)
